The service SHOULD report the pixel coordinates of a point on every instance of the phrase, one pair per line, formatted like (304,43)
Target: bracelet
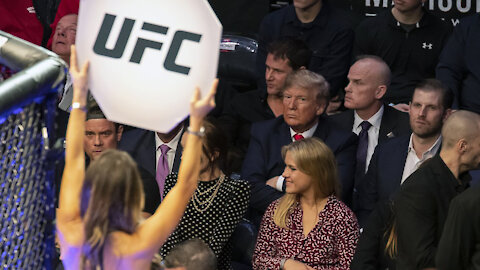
(77,105)
(199,133)
(282,263)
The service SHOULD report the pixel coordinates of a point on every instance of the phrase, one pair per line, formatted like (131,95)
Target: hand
(402,107)
(273,182)
(79,77)
(199,108)
(296,265)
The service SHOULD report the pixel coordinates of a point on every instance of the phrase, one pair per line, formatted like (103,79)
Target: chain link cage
(27,189)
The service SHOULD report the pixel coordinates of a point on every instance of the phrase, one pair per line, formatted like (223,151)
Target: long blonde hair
(314,158)
(111,200)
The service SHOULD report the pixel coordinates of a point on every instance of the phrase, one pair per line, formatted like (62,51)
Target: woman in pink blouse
(309,227)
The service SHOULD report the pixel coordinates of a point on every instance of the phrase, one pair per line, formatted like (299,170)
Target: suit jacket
(421,208)
(394,122)
(264,160)
(140,144)
(383,177)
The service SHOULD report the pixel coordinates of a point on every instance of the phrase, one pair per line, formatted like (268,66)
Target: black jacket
(411,56)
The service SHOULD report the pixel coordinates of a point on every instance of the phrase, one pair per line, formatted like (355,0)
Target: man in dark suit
(394,160)
(369,117)
(304,101)
(421,205)
(144,147)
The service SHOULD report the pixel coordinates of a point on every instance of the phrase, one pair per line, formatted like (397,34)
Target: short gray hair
(308,80)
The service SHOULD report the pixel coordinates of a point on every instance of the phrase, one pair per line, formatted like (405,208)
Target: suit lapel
(146,147)
(387,125)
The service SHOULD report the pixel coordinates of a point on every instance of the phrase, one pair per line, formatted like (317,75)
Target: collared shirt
(413,162)
(306,134)
(373,131)
(171,153)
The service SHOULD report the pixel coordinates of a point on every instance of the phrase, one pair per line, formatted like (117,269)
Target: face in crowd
(100,135)
(426,113)
(276,72)
(365,87)
(301,108)
(64,35)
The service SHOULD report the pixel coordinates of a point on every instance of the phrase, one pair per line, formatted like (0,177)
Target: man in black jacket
(421,206)
(410,41)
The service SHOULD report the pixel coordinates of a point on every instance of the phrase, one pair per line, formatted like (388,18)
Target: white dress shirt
(413,162)
(171,153)
(306,134)
(373,131)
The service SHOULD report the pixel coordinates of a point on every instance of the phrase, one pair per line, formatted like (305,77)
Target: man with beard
(394,160)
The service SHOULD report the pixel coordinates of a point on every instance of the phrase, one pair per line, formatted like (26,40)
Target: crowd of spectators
(383,182)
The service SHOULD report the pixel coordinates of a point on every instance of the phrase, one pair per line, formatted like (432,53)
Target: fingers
(85,67)
(73,57)
(196,95)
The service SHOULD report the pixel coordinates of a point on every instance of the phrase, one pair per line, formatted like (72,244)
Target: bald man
(421,206)
(369,78)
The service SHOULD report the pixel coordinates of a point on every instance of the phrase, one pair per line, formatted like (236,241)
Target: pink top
(330,245)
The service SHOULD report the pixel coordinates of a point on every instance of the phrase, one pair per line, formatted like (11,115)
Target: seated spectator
(192,254)
(421,205)
(157,155)
(409,39)
(218,204)
(98,220)
(309,227)
(394,160)
(101,134)
(62,39)
(284,57)
(459,247)
(324,29)
(459,66)
(304,100)
(368,117)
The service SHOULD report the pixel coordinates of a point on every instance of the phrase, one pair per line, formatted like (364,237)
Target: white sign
(147,56)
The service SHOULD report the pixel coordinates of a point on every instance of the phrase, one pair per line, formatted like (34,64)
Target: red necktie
(298,137)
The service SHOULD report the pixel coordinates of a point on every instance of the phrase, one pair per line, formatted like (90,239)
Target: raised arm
(74,172)
(156,229)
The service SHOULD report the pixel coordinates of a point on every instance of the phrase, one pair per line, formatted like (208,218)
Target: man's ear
(446,114)
(321,106)
(119,132)
(380,91)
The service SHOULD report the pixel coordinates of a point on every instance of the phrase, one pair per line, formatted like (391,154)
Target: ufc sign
(146,57)
(142,44)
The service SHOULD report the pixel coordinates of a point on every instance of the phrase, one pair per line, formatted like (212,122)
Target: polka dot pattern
(216,224)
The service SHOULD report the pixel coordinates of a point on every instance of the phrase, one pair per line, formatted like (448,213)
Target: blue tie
(362,148)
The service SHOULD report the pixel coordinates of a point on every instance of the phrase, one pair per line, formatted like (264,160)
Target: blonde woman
(309,227)
(98,219)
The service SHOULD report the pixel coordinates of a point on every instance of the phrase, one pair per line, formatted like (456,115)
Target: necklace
(199,204)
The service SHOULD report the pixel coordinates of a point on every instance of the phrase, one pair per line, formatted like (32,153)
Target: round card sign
(146,57)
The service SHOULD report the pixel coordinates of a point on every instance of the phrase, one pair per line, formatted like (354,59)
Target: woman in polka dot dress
(218,204)
(308,228)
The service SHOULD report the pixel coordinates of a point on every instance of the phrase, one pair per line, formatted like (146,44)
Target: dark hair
(434,85)
(215,147)
(192,254)
(94,112)
(294,50)
(111,200)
